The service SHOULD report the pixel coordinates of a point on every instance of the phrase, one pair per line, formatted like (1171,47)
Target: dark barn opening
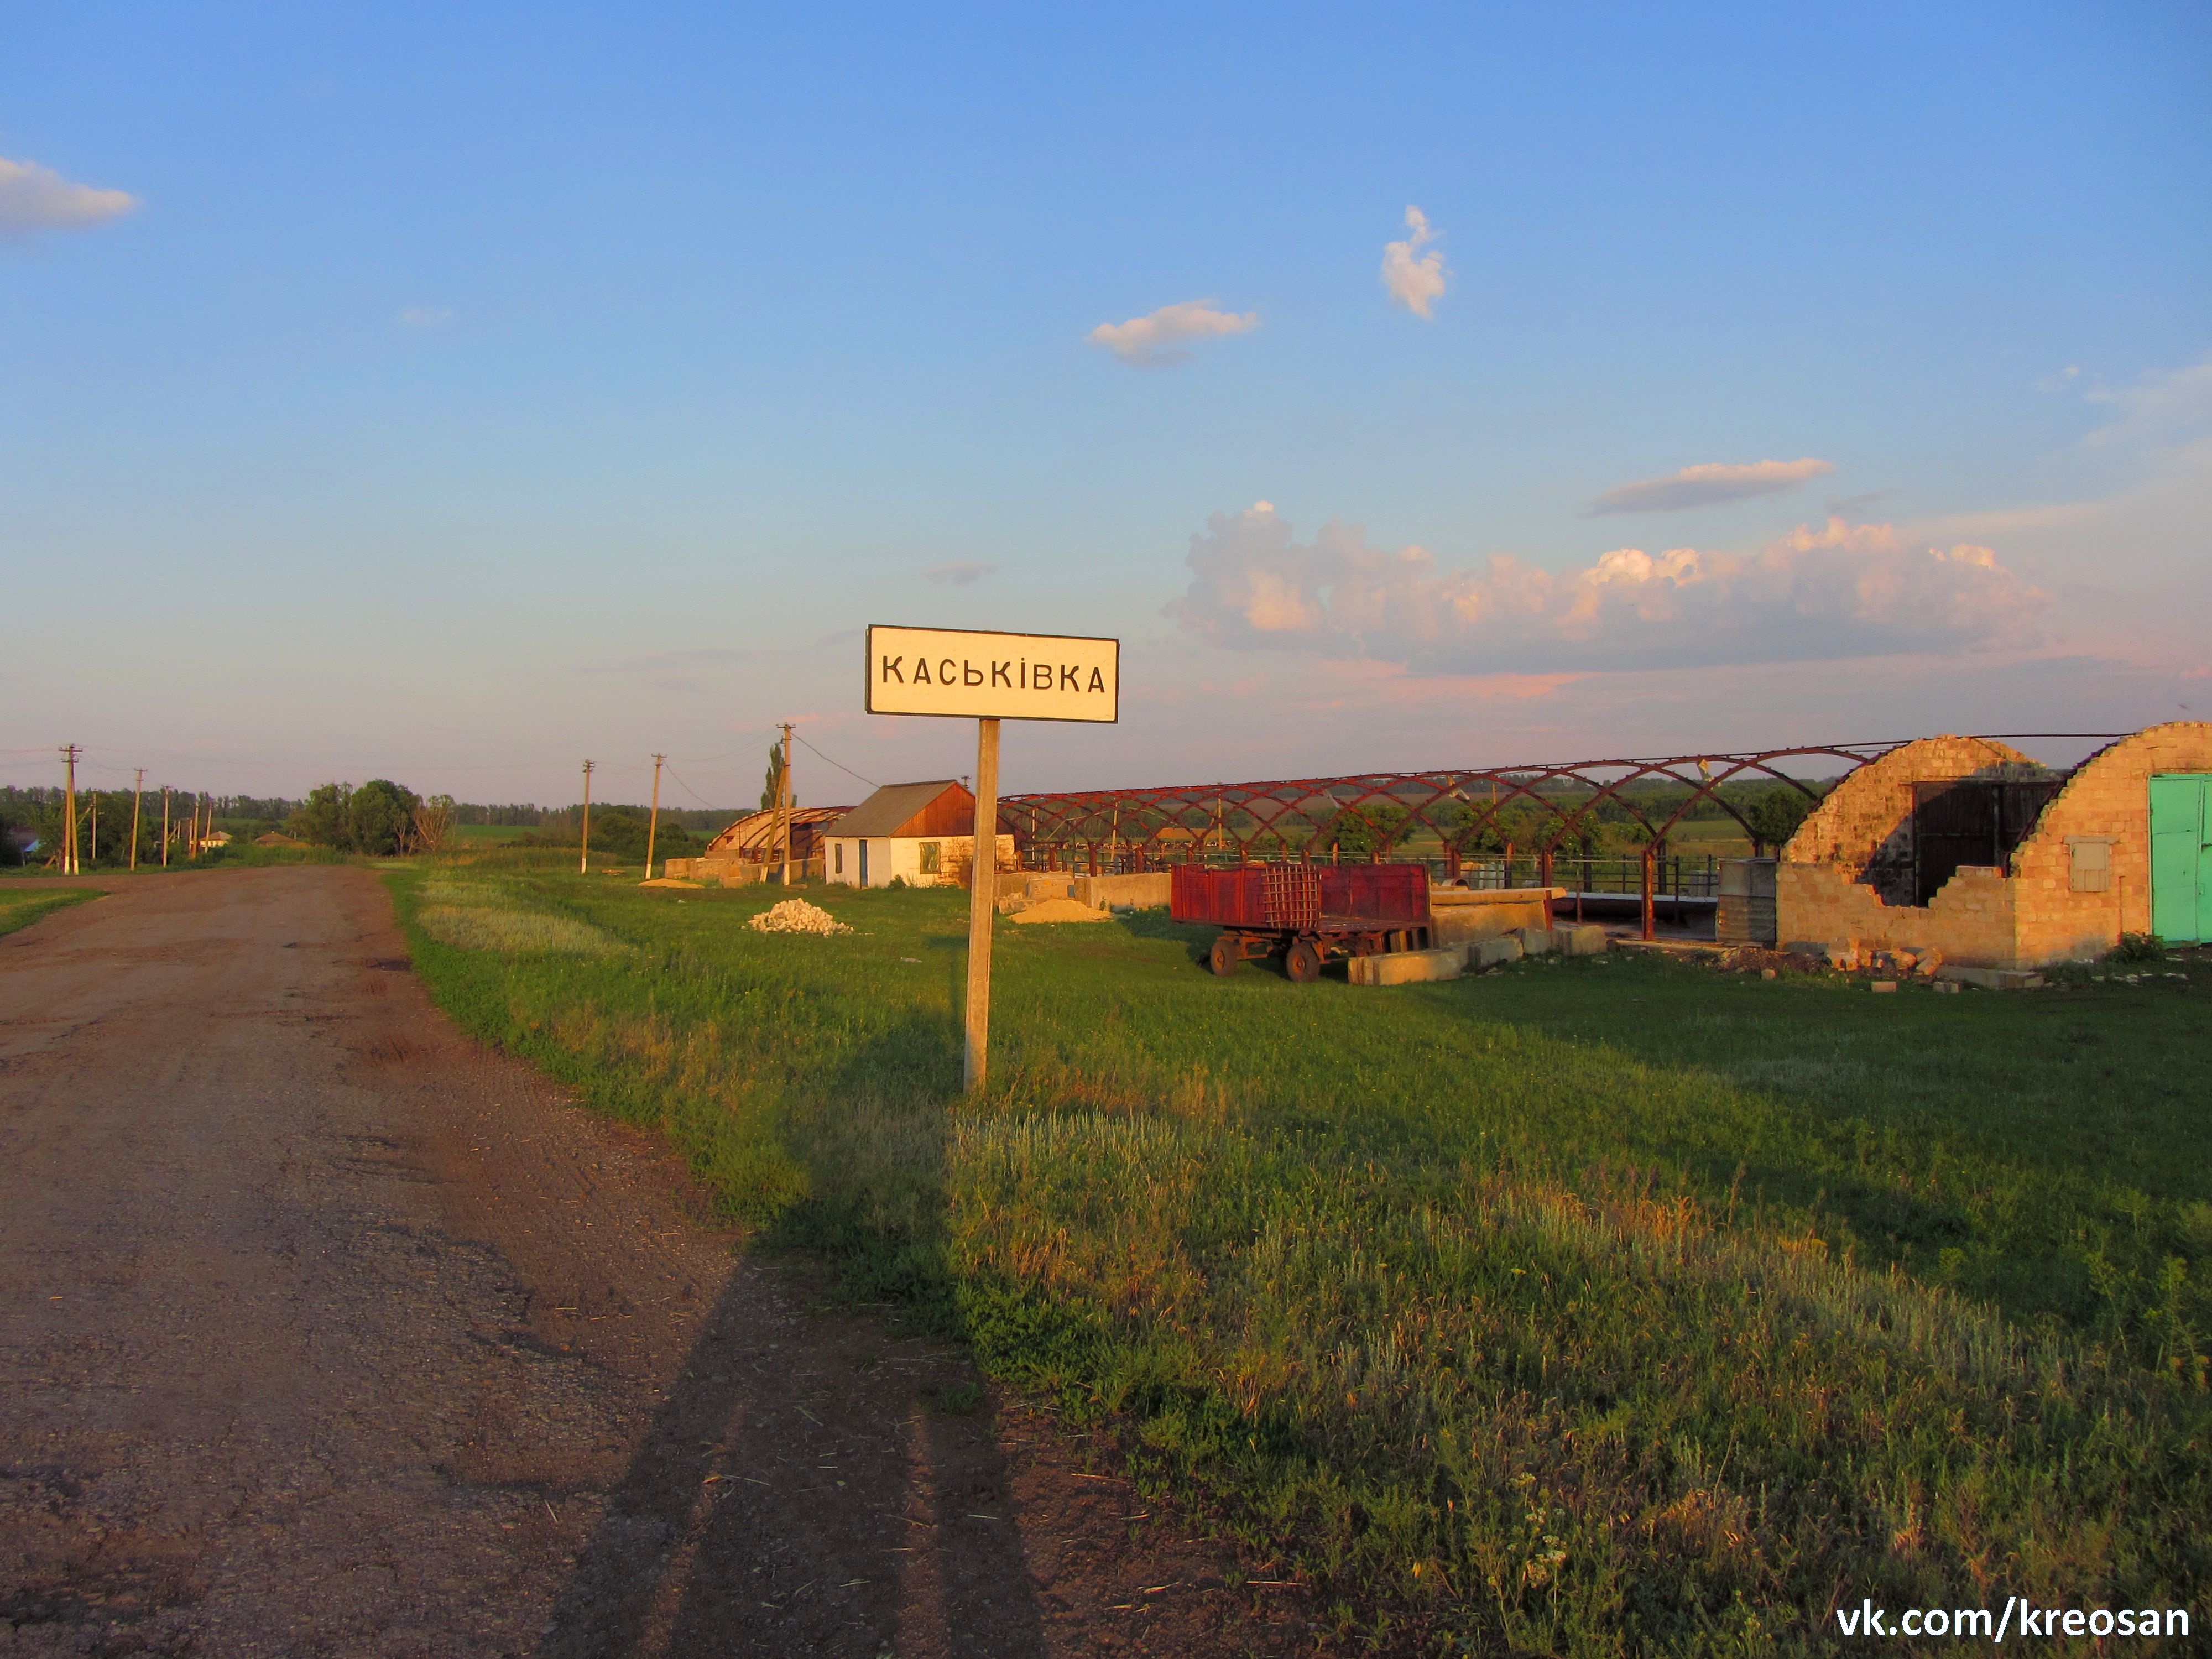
(1971,821)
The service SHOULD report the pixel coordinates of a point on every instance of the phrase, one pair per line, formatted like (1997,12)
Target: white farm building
(922,834)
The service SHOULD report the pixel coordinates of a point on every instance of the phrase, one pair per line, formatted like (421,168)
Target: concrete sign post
(988,678)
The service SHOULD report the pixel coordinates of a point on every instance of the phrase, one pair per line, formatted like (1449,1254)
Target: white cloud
(1709,484)
(1414,284)
(1838,591)
(425,317)
(32,198)
(1148,342)
(958,575)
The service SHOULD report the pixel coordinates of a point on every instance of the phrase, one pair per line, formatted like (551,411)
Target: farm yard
(1611,1304)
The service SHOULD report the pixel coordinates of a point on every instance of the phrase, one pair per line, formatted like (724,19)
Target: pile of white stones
(798,916)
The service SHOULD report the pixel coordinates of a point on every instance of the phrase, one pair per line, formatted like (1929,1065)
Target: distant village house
(920,834)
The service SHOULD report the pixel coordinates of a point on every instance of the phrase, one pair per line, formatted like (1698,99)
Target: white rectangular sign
(986,676)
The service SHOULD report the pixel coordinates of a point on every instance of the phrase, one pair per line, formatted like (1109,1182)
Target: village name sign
(972,674)
(985,676)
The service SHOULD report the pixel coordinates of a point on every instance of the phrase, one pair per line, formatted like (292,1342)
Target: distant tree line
(620,832)
(31,823)
(709,819)
(381,819)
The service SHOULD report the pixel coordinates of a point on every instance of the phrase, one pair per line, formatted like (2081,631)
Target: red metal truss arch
(1299,817)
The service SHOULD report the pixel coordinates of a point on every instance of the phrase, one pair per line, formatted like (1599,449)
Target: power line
(841,767)
(694,793)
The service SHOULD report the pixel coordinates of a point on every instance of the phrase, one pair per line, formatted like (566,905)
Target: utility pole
(584,867)
(137,788)
(95,826)
(164,826)
(70,752)
(653,824)
(787,799)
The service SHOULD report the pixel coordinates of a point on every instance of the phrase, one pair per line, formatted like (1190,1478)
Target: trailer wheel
(1302,962)
(1224,955)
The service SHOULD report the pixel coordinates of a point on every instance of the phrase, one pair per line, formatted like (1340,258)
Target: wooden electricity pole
(653,824)
(164,826)
(95,826)
(983,903)
(70,752)
(785,800)
(584,866)
(137,788)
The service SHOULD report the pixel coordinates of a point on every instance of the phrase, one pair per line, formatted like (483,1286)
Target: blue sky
(452,393)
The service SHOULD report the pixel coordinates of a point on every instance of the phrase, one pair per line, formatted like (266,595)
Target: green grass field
(24,906)
(1613,1305)
(469,837)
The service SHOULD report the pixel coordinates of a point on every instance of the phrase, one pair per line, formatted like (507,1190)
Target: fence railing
(1675,876)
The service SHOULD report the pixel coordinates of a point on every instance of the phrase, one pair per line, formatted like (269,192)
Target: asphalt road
(324,1330)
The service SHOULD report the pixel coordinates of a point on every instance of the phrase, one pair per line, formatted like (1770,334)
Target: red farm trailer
(1305,913)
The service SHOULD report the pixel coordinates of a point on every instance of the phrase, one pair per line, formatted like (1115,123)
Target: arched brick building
(1966,846)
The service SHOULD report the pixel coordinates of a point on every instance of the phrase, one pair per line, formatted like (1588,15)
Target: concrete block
(1535,941)
(1489,952)
(1584,939)
(1990,979)
(1406,966)
(1139,892)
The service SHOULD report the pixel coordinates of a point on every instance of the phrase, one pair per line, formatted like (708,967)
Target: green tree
(321,818)
(620,833)
(1371,826)
(1775,816)
(380,818)
(772,785)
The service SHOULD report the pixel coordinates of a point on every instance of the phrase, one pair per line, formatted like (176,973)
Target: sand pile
(798,916)
(1059,909)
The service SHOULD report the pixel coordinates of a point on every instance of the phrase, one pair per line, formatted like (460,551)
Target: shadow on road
(801,1496)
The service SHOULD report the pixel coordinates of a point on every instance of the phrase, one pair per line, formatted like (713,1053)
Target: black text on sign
(987,676)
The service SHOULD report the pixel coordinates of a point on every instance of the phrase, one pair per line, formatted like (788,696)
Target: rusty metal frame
(1153,824)
(1201,816)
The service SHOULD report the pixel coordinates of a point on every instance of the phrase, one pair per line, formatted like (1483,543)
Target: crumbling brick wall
(1866,822)
(1970,920)
(1846,875)
(2030,915)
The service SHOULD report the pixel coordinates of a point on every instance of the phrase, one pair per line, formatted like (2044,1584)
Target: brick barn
(1967,847)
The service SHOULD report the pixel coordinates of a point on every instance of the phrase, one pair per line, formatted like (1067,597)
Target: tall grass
(1591,1309)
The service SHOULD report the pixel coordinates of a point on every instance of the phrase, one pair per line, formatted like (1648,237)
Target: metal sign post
(989,677)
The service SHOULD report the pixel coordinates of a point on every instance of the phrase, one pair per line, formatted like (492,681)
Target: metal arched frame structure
(1151,826)
(1298,819)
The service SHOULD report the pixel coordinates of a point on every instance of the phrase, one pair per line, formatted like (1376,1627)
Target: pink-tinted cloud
(1710,485)
(1413,279)
(1158,338)
(1838,591)
(34,197)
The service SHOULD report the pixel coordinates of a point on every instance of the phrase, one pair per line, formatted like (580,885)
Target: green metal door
(2181,856)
